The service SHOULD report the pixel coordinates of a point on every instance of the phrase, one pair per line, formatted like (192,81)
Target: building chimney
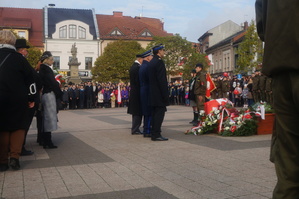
(117,14)
(245,25)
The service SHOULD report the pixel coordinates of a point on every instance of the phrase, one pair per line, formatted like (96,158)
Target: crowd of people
(89,95)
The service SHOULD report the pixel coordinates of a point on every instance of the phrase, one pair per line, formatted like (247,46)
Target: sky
(189,18)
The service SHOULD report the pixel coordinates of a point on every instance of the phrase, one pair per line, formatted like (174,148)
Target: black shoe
(14,164)
(160,139)
(26,152)
(136,133)
(49,146)
(3,167)
(147,135)
(191,122)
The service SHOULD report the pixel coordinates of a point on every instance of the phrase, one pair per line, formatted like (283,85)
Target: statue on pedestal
(74,64)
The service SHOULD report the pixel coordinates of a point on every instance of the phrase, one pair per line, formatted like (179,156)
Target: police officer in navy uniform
(158,92)
(134,107)
(144,93)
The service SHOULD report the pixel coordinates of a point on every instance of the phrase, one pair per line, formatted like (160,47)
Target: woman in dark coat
(51,92)
(16,81)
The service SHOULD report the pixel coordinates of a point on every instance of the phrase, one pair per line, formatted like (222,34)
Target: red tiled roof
(132,28)
(240,36)
(24,18)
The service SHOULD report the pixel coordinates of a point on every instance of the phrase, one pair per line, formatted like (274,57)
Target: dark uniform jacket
(225,86)
(200,84)
(158,82)
(144,88)
(134,107)
(268,84)
(262,83)
(15,79)
(281,40)
(255,83)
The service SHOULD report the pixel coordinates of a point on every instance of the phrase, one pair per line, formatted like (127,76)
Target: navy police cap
(146,54)
(158,47)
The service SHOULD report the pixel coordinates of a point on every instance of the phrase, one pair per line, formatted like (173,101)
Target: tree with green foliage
(34,53)
(176,48)
(192,60)
(114,64)
(249,51)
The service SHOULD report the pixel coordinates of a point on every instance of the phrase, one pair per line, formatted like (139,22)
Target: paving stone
(97,157)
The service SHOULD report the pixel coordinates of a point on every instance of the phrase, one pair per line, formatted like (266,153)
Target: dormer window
(62,32)
(116,32)
(73,31)
(146,34)
(82,33)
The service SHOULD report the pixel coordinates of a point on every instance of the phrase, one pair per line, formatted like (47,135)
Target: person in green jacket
(278,26)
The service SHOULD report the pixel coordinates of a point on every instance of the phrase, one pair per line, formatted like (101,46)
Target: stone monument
(74,64)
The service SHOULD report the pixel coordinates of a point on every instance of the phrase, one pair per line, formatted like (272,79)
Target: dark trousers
(158,113)
(285,137)
(29,121)
(136,123)
(147,124)
(11,145)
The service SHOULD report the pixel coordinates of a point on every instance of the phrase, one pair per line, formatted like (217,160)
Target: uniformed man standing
(191,97)
(255,87)
(144,93)
(134,107)
(200,87)
(219,87)
(214,93)
(225,87)
(278,25)
(158,92)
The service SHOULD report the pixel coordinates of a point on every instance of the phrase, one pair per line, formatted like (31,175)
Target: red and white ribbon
(221,118)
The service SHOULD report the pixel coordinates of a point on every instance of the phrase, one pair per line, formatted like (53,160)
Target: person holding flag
(200,88)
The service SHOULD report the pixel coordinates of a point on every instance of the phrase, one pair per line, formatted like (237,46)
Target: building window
(72,31)
(82,33)
(56,64)
(116,32)
(146,34)
(88,63)
(62,32)
(22,34)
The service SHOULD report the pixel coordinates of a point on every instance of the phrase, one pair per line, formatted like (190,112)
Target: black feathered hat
(45,55)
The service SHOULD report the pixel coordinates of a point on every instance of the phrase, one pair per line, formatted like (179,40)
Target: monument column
(74,64)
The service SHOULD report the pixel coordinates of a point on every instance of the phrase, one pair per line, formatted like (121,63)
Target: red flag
(210,85)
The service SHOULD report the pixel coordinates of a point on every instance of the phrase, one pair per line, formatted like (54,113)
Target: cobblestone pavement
(97,157)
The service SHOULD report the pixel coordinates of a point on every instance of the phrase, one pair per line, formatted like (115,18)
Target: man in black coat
(158,91)
(22,48)
(134,107)
(16,82)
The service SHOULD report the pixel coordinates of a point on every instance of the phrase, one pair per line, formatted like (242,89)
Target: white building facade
(65,27)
